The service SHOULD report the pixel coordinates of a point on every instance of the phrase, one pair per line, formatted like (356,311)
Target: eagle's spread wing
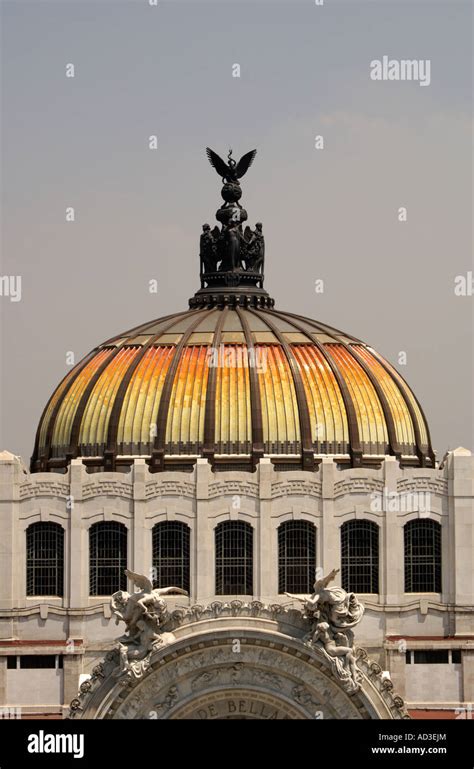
(220,165)
(167,590)
(244,163)
(140,581)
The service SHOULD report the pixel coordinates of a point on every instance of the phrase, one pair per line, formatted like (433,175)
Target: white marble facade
(77,627)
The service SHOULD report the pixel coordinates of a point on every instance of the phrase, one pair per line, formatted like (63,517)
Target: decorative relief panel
(107,488)
(200,676)
(44,489)
(295,488)
(242,488)
(358,486)
(169,489)
(435,485)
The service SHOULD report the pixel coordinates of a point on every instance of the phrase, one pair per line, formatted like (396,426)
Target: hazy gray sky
(328,214)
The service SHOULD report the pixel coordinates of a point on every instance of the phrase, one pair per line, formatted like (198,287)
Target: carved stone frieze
(358,486)
(232,488)
(44,489)
(108,488)
(290,488)
(169,488)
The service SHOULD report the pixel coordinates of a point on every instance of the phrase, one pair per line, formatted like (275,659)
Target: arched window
(108,558)
(171,555)
(45,559)
(422,556)
(360,556)
(296,557)
(234,558)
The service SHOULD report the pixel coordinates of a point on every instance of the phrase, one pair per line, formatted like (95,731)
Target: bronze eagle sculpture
(231,171)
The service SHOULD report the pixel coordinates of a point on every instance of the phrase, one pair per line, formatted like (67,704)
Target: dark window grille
(422,556)
(296,557)
(37,661)
(431,657)
(171,555)
(45,559)
(234,558)
(108,558)
(360,556)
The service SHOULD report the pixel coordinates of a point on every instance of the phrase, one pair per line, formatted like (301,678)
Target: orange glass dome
(232,383)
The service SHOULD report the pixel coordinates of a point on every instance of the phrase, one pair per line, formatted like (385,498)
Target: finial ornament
(230,251)
(231,258)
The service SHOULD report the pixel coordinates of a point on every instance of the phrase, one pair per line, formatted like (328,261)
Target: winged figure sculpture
(231,171)
(146,585)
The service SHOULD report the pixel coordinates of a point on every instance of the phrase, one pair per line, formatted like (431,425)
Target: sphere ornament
(231,192)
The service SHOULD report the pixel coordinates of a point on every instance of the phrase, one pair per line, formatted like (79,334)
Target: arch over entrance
(235,661)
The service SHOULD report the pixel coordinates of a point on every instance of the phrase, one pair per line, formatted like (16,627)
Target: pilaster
(468,675)
(202,586)
(461,534)
(77,556)
(397,668)
(3,680)
(266,578)
(141,554)
(391,545)
(328,546)
(72,668)
(11,474)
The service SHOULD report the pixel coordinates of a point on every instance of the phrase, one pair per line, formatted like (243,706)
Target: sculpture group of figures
(333,613)
(231,248)
(144,613)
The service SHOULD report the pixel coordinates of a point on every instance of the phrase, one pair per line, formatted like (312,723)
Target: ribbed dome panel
(231,384)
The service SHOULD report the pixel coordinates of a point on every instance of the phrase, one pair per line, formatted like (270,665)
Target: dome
(231,379)
(231,384)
